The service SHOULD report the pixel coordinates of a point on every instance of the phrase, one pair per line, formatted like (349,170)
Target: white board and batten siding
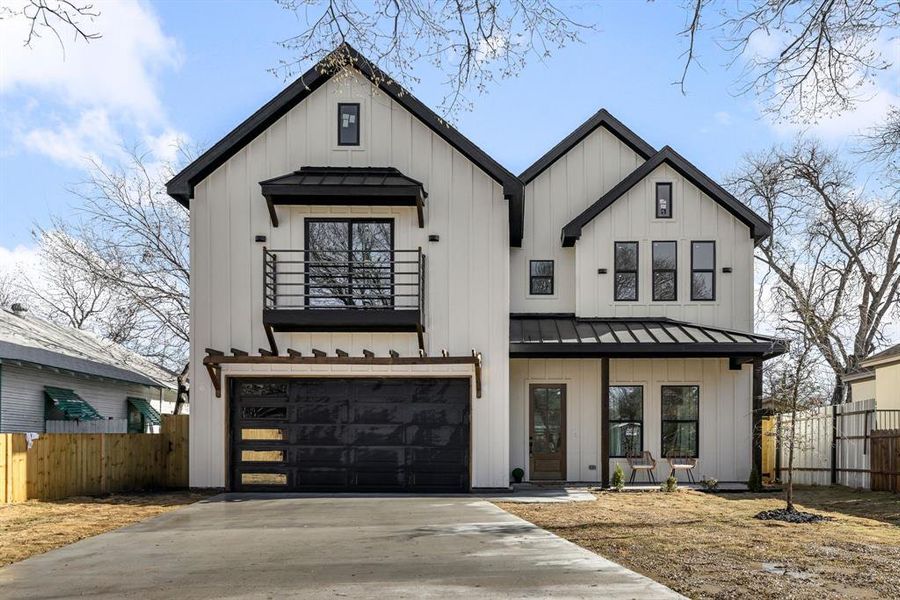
(467,296)
(552,199)
(725,423)
(696,217)
(22,396)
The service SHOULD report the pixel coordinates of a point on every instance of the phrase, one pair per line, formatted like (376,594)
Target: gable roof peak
(601,118)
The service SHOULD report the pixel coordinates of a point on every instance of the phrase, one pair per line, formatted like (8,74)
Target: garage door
(350,435)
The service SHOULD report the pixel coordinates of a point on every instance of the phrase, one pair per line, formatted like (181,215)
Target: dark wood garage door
(350,435)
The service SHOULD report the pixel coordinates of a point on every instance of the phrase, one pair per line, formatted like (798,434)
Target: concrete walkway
(350,547)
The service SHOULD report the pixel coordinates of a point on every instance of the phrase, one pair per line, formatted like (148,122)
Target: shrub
(754,484)
(710,483)
(518,474)
(669,485)
(618,479)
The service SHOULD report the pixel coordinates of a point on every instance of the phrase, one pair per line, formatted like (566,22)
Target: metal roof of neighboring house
(886,355)
(537,335)
(28,339)
(73,406)
(143,406)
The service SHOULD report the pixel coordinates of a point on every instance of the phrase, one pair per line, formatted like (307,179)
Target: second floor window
(348,263)
(665,270)
(663,200)
(626,267)
(348,124)
(703,270)
(541,278)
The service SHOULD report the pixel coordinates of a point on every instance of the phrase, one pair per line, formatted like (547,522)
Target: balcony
(343,290)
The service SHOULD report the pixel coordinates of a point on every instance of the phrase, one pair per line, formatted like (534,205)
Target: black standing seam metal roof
(601,118)
(331,181)
(759,228)
(536,335)
(181,187)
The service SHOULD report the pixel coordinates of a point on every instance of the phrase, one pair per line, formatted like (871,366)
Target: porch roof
(566,336)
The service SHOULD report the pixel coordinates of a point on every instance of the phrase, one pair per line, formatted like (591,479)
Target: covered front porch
(587,393)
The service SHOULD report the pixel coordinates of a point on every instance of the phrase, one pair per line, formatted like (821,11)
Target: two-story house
(377,304)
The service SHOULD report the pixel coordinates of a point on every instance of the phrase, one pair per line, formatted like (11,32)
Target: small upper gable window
(664,200)
(541,278)
(348,124)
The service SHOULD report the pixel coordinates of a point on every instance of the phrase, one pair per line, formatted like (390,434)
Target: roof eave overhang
(758,227)
(764,351)
(181,187)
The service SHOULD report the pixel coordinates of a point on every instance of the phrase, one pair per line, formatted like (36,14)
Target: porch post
(757,414)
(604,422)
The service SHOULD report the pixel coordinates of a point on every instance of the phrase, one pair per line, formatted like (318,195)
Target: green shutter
(143,407)
(70,404)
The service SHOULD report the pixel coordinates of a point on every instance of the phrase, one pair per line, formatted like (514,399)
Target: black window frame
(659,185)
(711,271)
(636,272)
(349,220)
(663,421)
(340,107)
(654,271)
(613,422)
(532,277)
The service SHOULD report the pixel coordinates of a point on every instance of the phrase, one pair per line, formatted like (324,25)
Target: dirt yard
(710,546)
(35,527)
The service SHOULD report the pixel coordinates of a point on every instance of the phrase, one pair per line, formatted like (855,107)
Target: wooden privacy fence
(834,444)
(886,461)
(60,465)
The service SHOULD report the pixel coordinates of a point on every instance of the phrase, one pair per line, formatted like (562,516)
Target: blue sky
(196,69)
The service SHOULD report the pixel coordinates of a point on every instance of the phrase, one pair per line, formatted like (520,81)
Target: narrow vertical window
(348,124)
(665,270)
(680,421)
(626,268)
(663,200)
(703,270)
(626,420)
(541,278)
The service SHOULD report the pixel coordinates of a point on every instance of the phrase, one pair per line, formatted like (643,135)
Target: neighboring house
(426,320)
(75,380)
(877,378)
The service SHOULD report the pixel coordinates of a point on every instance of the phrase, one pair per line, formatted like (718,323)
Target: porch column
(757,414)
(604,422)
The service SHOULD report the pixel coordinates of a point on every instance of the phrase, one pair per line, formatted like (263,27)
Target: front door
(547,432)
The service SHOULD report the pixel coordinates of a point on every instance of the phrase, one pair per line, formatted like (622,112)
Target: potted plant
(518,474)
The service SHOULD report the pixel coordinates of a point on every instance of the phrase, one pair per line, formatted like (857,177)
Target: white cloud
(722,118)
(18,260)
(872,110)
(90,98)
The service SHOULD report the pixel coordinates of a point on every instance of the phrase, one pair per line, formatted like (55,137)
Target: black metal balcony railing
(379,283)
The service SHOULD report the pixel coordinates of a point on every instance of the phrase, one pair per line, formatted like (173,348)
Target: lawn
(35,527)
(710,546)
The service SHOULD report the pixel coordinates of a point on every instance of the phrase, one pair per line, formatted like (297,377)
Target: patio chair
(643,461)
(682,463)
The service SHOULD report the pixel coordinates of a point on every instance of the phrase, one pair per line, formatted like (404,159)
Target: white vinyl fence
(98,426)
(843,432)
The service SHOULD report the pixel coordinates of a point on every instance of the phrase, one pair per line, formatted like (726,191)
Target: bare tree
(794,390)
(8,289)
(827,57)
(57,17)
(471,42)
(132,239)
(833,260)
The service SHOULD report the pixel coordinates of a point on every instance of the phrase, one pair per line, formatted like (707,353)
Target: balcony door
(349,263)
(547,434)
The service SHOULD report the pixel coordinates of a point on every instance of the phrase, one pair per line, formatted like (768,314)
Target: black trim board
(181,187)
(337,319)
(601,118)
(759,228)
(639,350)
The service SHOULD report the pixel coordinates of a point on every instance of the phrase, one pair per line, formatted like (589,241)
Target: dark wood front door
(547,431)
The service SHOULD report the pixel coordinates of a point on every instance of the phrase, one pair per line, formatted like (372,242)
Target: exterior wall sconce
(601,271)
(726,269)
(434,237)
(260,238)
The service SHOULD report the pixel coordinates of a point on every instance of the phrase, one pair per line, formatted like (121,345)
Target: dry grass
(35,527)
(707,546)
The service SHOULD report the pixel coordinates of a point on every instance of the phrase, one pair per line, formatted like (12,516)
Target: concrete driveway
(327,547)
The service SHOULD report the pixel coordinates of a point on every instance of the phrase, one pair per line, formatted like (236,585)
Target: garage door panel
(351,435)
